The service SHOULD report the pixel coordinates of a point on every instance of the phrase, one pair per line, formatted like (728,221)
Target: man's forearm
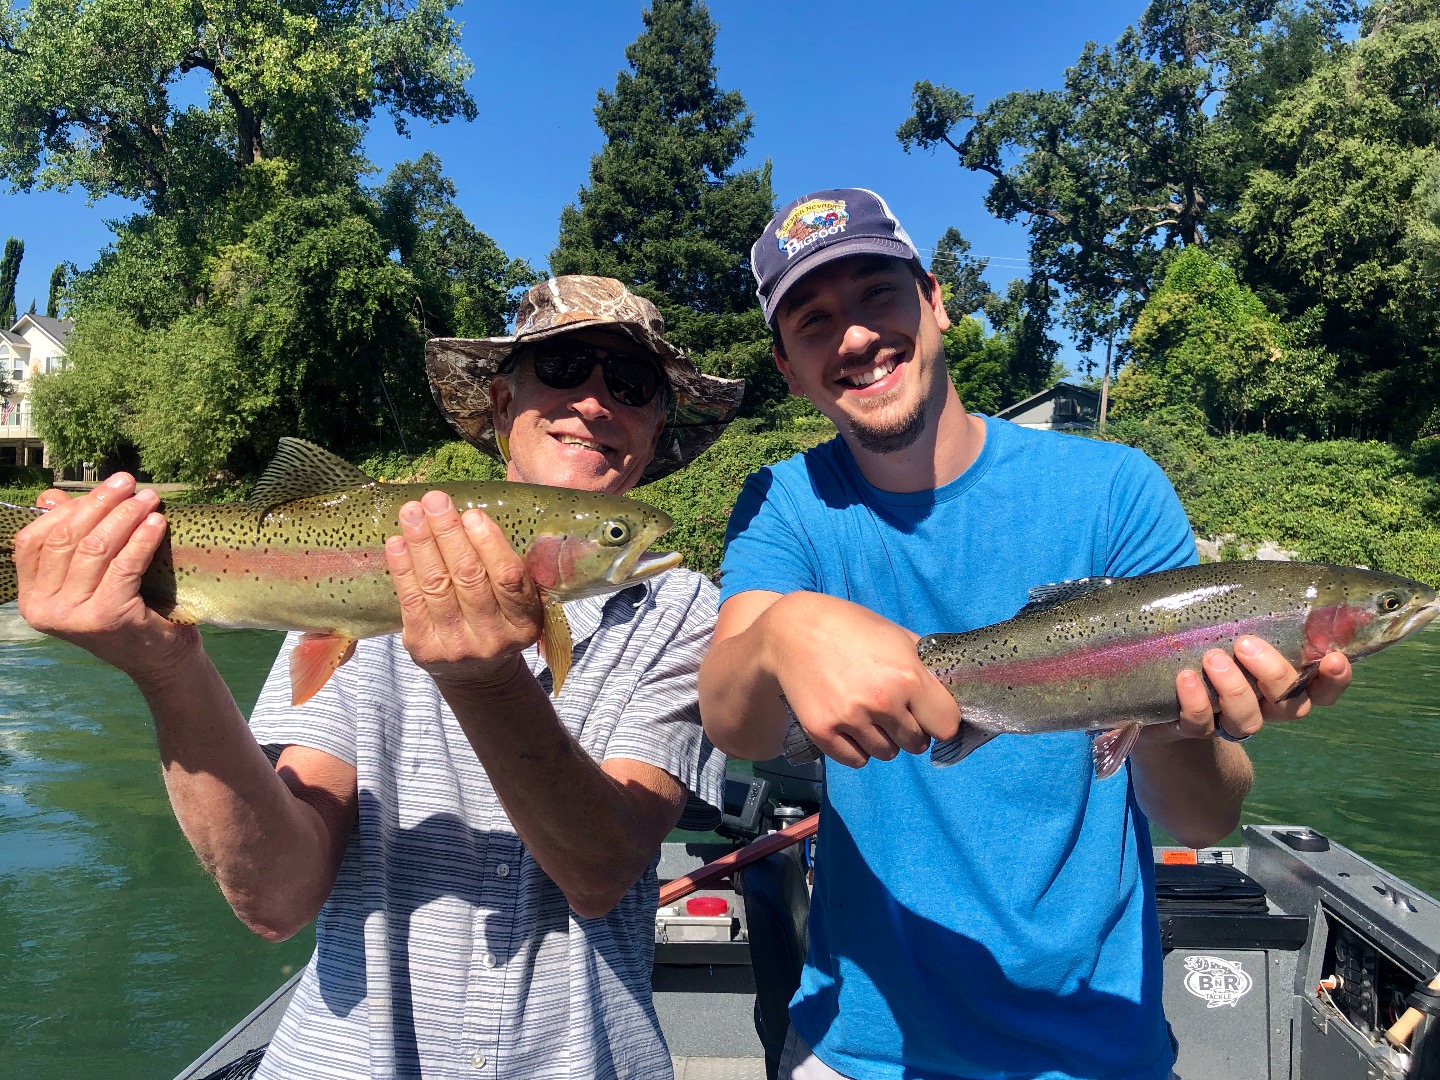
(1192,788)
(740,697)
(591,834)
(269,850)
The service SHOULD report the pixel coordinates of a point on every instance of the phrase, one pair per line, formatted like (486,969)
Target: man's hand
(469,605)
(1242,708)
(79,569)
(854,680)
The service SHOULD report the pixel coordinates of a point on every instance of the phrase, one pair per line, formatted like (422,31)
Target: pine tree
(9,275)
(59,278)
(664,212)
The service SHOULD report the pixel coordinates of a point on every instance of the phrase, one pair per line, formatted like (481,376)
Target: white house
(34,345)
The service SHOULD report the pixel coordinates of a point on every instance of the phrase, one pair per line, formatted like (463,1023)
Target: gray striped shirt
(444,950)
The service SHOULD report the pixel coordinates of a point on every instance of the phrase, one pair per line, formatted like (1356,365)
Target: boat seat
(777,913)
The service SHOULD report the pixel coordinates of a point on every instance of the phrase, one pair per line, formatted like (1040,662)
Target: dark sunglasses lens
(631,381)
(563,372)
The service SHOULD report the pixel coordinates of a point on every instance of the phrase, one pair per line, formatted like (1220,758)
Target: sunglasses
(632,380)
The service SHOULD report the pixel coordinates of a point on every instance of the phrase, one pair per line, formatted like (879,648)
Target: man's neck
(945,449)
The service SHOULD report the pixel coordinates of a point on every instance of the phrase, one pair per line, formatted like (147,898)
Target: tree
(85,88)
(665,209)
(1328,220)
(1205,340)
(9,275)
(58,278)
(1118,166)
(961,275)
(466,284)
(267,290)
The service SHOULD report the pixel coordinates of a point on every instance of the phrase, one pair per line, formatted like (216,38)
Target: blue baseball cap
(818,228)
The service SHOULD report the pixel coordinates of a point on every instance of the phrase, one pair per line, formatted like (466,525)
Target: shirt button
(503,870)
(487,959)
(477,1059)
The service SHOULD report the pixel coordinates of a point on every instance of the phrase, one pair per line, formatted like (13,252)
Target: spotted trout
(1101,654)
(307,553)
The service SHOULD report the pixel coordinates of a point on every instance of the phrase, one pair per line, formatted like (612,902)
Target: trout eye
(1389,602)
(614,533)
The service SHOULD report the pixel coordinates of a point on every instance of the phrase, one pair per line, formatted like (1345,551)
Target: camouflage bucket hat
(460,369)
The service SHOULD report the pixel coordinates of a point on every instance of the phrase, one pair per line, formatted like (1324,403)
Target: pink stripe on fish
(281,564)
(1116,659)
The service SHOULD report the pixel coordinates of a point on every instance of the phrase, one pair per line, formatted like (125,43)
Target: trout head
(1361,612)
(599,550)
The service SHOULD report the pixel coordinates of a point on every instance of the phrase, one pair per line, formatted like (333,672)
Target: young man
(481,857)
(993,919)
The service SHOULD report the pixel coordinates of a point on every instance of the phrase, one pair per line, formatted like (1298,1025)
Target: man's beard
(890,437)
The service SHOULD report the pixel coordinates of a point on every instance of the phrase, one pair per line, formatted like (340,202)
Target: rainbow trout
(1101,654)
(307,553)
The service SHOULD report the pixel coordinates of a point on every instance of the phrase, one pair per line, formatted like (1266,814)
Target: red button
(707,905)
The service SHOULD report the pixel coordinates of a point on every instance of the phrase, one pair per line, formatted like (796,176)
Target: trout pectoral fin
(946,752)
(1302,683)
(555,644)
(314,660)
(1111,748)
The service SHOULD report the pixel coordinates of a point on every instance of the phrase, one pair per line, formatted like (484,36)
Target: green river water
(119,959)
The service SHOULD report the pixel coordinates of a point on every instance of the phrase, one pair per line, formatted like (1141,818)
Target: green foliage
(24,477)
(1342,501)
(85,89)
(440,463)
(960,275)
(9,275)
(700,497)
(1205,339)
(59,277)
(1331,217)
(465,284)
(665,210)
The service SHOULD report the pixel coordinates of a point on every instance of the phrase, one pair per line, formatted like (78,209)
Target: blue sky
(828,85)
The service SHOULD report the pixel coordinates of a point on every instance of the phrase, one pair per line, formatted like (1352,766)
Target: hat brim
(818,257)
(460,370)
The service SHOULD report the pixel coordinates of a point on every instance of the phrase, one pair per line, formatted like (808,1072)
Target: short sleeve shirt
(994,919)
(444,950)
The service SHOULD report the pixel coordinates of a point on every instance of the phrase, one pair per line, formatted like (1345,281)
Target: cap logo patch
(809,223)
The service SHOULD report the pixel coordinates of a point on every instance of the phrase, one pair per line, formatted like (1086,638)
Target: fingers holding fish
(1237,701)
(1331,679)
(468,607)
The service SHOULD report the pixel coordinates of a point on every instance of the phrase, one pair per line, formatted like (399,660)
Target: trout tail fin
(12,520)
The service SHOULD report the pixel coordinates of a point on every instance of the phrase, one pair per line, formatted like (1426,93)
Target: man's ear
(502,405)
(937,304)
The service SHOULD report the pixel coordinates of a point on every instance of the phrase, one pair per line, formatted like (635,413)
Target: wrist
(175,659)
(505,676)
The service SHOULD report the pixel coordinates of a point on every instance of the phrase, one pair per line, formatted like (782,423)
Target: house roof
(1048,392)
(13,339)
(56,329)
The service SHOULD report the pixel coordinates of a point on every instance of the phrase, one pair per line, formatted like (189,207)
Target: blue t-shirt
(993,919)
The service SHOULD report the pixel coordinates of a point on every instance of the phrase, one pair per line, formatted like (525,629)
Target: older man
(481,857)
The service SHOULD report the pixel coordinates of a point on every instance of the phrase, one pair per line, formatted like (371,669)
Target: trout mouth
(1415,620)
(643,565)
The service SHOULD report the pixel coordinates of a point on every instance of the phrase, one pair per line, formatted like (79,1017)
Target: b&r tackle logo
(811,222)
(1216,982)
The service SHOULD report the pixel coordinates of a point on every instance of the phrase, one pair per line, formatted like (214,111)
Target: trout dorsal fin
(301,470)
(1047,596)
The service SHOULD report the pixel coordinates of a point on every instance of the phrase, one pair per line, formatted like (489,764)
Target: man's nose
(858,340)
(592,399)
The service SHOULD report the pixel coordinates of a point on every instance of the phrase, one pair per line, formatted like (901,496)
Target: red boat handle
(731,861)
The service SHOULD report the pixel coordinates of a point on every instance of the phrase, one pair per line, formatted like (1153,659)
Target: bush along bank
(1339,501)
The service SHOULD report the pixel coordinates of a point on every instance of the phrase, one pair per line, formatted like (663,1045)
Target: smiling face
(864,346)
(579,437)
